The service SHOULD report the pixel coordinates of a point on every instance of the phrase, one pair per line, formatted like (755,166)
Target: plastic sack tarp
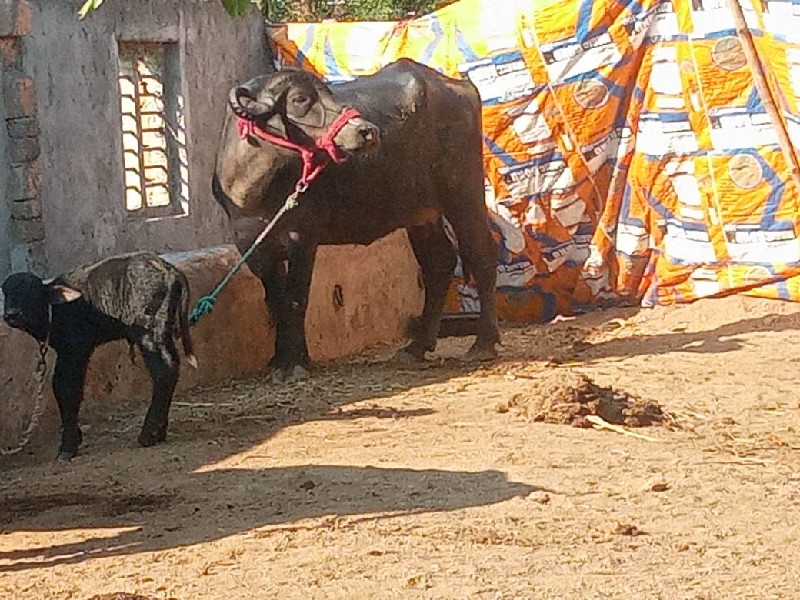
(628,153)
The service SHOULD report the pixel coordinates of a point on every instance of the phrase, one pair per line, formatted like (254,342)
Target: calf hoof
(481,353)
(66,455)
(71,440)
(286,374)
(149,438)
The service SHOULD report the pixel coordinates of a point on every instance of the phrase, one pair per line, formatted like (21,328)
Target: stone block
(8,17)
(27,230)
(11,52)
(16,18)
(24,18)
(34,179)
(23,150)
(19,95)
(25,181)
(28,257)
(25,210)
(35,255)
(22,127)
(17,187)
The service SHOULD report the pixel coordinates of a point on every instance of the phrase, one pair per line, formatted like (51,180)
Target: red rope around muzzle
(315,157)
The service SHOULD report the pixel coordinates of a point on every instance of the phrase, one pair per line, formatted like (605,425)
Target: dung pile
(566,397)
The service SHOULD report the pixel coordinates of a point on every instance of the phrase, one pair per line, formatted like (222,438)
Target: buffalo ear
(58,293)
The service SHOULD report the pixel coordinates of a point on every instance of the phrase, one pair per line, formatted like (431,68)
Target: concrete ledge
(380,292)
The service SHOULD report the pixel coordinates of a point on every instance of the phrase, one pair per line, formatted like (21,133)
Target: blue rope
(205,305)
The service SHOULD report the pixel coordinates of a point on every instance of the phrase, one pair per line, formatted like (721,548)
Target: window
(153,129)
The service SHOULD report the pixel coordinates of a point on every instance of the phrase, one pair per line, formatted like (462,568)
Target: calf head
(299,107)
(28,300)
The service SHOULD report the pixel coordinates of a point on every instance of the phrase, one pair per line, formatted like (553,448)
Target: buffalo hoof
(409,355)
(481,353)
(149,438)
(287,374)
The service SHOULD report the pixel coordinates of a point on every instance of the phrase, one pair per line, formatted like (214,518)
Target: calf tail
(183,323)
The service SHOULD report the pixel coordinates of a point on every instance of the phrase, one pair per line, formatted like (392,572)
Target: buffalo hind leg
(287,298)
(162,361)
(479,254)
(68,381)
(437,260)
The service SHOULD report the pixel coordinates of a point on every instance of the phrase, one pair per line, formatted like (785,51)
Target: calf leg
(161,358)
(437,259)
(68,381)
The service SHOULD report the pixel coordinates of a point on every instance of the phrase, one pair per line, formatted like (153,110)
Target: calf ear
(58,293)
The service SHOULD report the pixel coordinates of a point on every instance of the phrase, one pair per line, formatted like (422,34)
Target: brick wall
(24,176)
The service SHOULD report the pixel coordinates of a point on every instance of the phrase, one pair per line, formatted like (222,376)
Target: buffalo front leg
(162,361)
(68,381)
(437,259)
(479,254)
(269,262)
(287,297)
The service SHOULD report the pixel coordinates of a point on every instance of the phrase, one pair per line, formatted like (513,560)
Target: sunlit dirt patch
(121,596)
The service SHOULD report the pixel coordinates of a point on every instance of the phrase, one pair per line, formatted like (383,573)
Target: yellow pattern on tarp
(628,153)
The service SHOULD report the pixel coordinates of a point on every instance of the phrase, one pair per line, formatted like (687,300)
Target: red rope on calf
(316,157)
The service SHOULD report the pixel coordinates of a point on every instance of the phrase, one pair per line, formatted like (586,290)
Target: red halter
(315,157)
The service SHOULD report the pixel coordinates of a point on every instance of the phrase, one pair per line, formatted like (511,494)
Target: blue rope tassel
(203,307)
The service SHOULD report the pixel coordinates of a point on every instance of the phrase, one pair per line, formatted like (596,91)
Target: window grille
(153,130)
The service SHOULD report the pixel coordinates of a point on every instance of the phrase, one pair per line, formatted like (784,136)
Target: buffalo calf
(136,297)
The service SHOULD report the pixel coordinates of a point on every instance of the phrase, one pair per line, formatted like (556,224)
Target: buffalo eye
(298,104)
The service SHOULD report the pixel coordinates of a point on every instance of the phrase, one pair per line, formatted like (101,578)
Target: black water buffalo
(410,155)
(137,297)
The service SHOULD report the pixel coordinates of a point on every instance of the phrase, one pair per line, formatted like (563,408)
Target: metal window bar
(137,103)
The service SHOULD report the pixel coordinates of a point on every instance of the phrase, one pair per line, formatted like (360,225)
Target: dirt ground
(374,480)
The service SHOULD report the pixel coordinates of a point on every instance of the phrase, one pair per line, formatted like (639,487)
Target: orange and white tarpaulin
(627,150)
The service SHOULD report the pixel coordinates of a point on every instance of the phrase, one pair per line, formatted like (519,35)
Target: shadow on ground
(116,484)
(241,500)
